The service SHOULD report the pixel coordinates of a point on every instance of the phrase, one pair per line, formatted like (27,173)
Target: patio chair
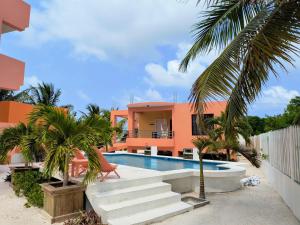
(106,167)
(79,164)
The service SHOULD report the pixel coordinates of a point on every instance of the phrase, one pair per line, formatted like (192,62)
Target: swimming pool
(159,163)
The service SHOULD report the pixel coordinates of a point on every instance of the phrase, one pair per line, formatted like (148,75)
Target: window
(197,130)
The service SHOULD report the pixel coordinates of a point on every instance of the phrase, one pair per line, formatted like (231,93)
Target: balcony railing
(150,134)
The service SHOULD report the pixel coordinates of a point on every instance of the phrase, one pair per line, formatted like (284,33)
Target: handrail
(150,134)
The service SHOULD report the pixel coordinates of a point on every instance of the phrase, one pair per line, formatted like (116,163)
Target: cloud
(169,76)
(83,96)
(149,95)
(273,101)
(114,28)
(32,81)
(277,95)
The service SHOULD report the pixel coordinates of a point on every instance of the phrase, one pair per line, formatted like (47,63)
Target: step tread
(153,215)
(130,189)
(132,202)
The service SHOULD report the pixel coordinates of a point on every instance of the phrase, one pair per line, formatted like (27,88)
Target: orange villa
(163,126)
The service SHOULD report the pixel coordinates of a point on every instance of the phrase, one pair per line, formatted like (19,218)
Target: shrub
(27,184)
(86,218)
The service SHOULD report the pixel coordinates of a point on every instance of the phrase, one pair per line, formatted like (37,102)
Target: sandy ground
(259,205)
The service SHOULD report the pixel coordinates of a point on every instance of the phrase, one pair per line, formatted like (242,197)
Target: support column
(153,150)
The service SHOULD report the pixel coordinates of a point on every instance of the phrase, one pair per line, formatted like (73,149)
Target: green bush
(27,184)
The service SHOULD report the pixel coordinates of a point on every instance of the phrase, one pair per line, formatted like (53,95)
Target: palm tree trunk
(66,172)
(228,154)
(202,185)
(106,147)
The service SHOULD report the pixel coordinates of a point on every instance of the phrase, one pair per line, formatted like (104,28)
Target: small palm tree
(23,136)
(202,144)
(230,140)
(254,37)
(44,94)
(62,134)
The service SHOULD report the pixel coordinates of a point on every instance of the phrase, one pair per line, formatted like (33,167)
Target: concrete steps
(135,201)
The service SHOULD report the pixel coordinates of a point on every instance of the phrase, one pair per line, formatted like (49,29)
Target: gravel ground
(259,205)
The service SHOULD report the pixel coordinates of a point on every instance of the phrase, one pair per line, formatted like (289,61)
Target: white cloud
(273,101)
(83,96)
(170,76)
(32,81)
(277,95)
(149,95)
(111,28)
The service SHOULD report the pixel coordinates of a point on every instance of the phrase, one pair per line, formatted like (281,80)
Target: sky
(108,52)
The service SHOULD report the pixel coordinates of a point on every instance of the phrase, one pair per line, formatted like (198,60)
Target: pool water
(159,163)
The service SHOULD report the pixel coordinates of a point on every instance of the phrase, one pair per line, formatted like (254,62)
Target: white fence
(282,148)
(282,166)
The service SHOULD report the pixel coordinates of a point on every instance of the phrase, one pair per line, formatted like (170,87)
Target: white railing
(282,149)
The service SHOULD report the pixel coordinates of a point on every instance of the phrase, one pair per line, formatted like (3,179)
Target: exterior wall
(182,123)
(14,112)
(14,15)
(143,115)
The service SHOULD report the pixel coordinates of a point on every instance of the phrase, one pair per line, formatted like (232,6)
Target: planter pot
(17,169)
(62,203)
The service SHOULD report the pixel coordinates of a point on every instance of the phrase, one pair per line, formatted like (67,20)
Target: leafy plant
(256,38)
(27,184)
(62,135)
(44,94)
(86,218)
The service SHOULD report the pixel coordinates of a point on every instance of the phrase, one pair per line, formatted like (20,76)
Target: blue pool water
(158,163)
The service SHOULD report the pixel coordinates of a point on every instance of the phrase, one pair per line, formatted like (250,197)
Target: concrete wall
(285,186)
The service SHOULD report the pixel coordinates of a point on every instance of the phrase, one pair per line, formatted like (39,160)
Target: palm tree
(257,37)
(44,94)
(6,95)
(62,134)
(23,136)
(230,140)
(202,144)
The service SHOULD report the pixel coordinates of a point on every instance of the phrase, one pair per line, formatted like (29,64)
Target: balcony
(150,134)
(14,15)
(11,73)
(142,138)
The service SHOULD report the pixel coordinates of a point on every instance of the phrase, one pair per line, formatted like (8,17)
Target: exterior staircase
(135,201)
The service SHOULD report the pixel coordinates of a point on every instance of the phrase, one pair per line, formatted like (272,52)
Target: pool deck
(259,205)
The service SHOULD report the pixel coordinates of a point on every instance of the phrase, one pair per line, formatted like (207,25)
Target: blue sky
(103,52)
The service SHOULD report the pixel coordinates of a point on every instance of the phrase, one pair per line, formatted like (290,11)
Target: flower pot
(62,203)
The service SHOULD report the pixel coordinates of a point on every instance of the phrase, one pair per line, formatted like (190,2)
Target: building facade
(169,127)
(14,16)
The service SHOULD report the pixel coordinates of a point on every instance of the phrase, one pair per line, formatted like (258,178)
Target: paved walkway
(259,205)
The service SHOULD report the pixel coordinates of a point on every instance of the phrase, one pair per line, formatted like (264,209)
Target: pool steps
(135,201)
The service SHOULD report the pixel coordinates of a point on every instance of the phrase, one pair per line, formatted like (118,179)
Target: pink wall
(14,15)
(181,124)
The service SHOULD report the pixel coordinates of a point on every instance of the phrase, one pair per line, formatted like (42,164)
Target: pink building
(162,125)
(14,16)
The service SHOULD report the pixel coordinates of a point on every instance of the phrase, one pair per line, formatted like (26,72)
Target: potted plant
(62,134)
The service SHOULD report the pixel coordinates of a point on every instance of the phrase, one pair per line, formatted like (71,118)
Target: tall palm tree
(62,134)
(6,95)
(257,37)
(26,137)
(44,94)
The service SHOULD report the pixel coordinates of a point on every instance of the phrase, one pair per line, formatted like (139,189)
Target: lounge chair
(106,167)
(79,164)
